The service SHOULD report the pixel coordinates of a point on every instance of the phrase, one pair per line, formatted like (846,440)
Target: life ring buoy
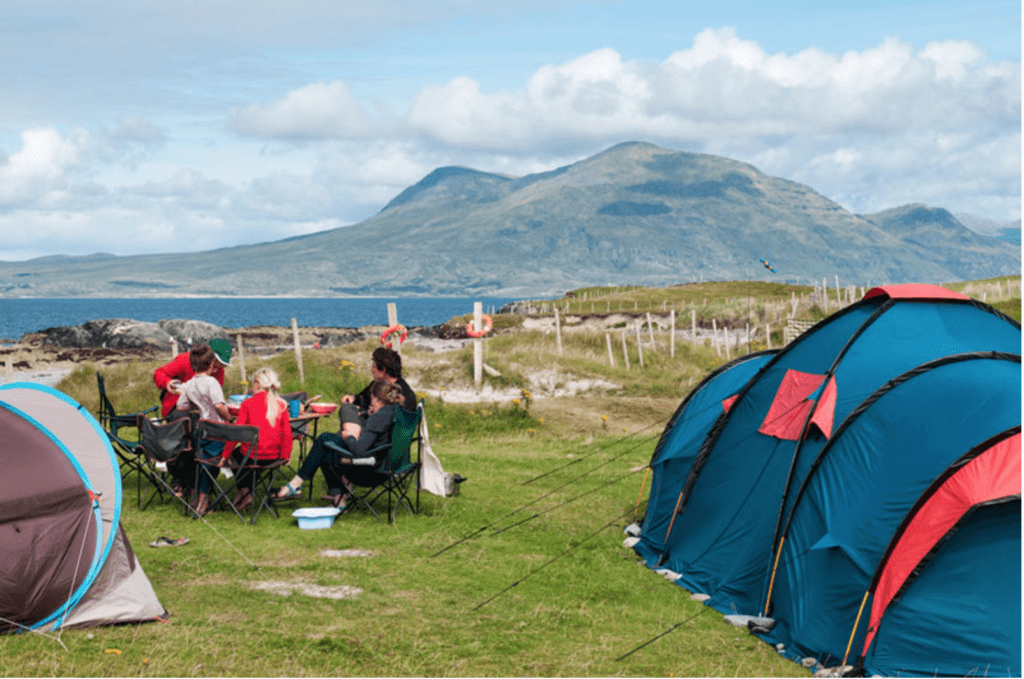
(488,326)
(397,328)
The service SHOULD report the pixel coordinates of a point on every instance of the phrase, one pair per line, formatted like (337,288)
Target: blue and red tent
(783,480)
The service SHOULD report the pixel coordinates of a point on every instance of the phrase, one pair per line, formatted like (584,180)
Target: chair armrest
(368,460)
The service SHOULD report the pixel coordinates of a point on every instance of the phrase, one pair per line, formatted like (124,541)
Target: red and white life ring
(397,328)
(488,326)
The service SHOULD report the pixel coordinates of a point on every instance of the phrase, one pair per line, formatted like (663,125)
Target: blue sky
(175,126)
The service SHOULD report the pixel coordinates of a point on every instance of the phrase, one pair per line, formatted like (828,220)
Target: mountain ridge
(635,213)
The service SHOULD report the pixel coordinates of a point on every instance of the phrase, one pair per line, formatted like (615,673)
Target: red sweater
(178,369)
(275,439)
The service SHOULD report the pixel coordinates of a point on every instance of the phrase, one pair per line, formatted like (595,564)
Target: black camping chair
(125,443)
(263,472)
(394,467)
(165,444)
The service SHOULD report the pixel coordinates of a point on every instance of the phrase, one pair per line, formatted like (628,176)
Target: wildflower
(516,402)
(436,425)
(421,394)
(541,420)
(471,412)
(623,429)
(604,417)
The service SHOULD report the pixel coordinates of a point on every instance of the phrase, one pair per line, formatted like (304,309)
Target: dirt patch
(319,591)
(344,553)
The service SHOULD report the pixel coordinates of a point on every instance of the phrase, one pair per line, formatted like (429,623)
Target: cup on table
(294,408)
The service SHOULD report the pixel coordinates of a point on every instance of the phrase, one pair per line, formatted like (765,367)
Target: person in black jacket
(357,439)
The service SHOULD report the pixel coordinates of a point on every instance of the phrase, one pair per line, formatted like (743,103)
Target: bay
(22,315)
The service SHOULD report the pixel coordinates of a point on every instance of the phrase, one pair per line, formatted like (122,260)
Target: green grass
(555,595)
(582,600)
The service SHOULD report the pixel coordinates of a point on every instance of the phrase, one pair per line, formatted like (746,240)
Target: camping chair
(129,458)
(163,443)
(394,467)
(264,472)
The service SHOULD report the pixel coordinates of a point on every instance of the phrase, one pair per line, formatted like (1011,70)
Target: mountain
(633,214)
(1008,231)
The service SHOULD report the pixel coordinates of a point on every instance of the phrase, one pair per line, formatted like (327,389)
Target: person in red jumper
(169,377)
(269,412)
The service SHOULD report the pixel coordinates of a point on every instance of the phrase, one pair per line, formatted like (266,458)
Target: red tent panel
(789,409)
(991,475)
(913,291)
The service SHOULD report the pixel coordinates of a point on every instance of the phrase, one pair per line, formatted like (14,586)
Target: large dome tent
(871,383)
(66,560)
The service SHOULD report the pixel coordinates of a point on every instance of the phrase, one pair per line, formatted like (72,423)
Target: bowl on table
(321,408)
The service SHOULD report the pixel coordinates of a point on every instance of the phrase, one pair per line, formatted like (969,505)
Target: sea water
(20,316)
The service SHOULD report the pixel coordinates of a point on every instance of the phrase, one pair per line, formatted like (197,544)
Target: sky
(148,126)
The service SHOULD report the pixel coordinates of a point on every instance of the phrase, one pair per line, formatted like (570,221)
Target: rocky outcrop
(125,333)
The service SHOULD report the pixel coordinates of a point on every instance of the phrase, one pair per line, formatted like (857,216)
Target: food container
(321,408)
(313,518)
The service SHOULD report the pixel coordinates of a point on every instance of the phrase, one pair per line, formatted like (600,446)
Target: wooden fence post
(298,351)
(650,328)
(746,332)
(639,343)
(672,334)
(693,324)
(625,350)
(714,328)
(393,321)
(174,348)
(478,347)
(768,336)
(558,331)
(725,334)
(824,292)
(608,341)
(241,356)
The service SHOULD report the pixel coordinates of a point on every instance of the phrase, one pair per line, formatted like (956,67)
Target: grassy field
(522,574)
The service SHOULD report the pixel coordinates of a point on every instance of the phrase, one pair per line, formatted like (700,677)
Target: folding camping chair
(129,458)
(263,472)
(164,443)
(394,468)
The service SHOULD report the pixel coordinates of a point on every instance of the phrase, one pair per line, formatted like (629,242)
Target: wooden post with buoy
(298,351)
(478,346)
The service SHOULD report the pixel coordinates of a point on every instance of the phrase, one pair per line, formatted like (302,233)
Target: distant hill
(1008,231)
(633,214)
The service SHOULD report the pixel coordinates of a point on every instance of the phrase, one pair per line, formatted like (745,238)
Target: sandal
(292,494)
(168,542)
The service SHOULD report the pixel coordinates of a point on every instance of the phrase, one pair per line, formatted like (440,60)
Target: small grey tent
(66,561)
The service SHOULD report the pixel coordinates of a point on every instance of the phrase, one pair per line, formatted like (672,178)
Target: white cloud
(317,111)
(871,129)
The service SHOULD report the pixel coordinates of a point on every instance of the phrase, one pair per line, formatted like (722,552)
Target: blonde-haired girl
(268,411)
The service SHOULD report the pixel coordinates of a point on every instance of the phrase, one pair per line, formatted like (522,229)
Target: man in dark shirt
(386,364)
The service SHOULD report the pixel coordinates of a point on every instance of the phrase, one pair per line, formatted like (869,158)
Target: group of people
(192,384)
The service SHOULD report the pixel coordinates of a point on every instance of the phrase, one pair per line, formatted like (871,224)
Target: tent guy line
(538,499)
(552,560)
(595,452)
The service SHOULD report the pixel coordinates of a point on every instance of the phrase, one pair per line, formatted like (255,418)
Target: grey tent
(66,561)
